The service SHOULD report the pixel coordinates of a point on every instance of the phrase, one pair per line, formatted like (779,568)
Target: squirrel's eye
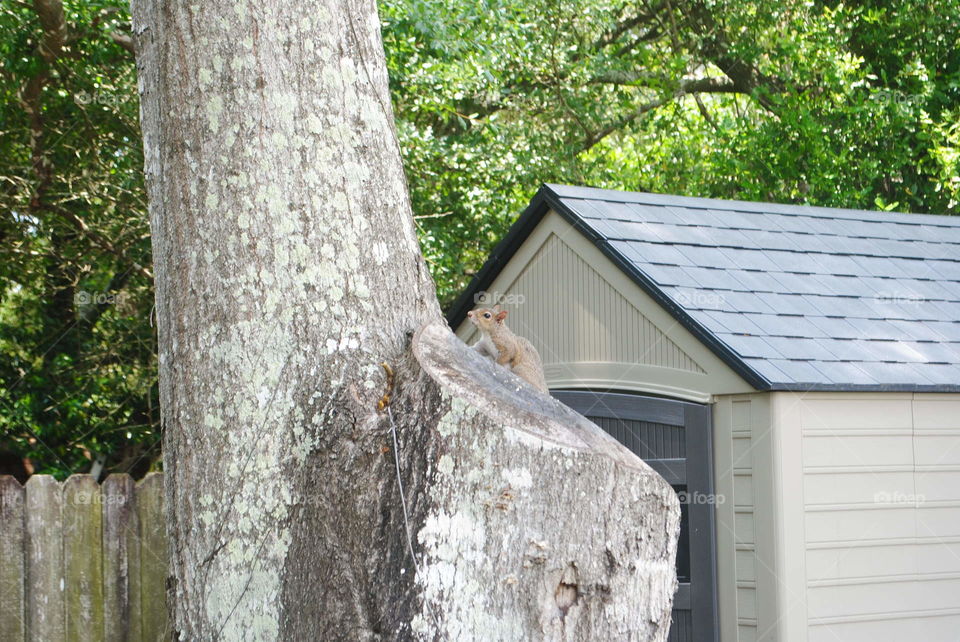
(486,315)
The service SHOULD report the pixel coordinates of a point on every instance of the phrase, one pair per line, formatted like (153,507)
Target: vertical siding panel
(636,323)
(599,307)
(574,281)
(653,353)
(622,327)
(83,558)
(590,298)
(44,560)
(12,624)
(540,289)
(153,558)
(543,260)
(550,328)
(121,564)
(641,323)
(575,335)
(583,280)
(560,341)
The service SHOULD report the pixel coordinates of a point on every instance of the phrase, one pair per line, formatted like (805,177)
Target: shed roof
(791,297)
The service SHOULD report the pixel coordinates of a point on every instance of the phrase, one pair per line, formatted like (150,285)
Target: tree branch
(624,77)
(612,35)
(54,24)
(78,223)
(696,86)
(716,49)
(124,41)
(706,114)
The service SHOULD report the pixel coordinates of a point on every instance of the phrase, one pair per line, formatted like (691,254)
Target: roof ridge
(753,207)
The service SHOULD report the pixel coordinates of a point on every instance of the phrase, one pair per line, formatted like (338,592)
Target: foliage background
(848,105)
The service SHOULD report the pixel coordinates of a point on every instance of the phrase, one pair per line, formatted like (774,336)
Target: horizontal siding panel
(884,579)
(850,413)
(942,522)
(856,559)
(894,521)
(743,489)
(866,487)
(746,633)
(740,415)
(746,566)
(936,450)
(744,528)
(934,627)
(935,486)
(851,562)
(931,413)
(938,556)
(747,603)
(866,450)
(882,597)
(742,452)
(858,469)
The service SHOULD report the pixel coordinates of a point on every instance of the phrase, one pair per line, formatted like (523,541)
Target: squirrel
(503,346)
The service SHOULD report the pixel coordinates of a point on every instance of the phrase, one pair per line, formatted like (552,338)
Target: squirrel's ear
(501,315)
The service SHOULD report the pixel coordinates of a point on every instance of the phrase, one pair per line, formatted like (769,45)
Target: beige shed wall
(594,327)
(867,516)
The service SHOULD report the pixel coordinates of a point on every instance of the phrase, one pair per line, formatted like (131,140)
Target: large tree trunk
(287,271)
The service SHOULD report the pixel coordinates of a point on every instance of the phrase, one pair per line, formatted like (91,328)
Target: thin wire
(403,501)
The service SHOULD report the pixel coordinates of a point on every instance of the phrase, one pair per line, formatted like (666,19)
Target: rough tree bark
(287,271)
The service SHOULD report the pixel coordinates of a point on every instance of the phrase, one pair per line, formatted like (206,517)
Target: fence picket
(83,557)
(12,565)
(153,558)
(44,587)
(121,560)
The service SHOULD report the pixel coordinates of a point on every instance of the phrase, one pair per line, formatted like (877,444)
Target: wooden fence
(82,561)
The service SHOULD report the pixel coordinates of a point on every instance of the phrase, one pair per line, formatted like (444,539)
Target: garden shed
(793,371)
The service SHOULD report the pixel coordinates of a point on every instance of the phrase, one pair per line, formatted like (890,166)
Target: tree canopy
(848,105)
